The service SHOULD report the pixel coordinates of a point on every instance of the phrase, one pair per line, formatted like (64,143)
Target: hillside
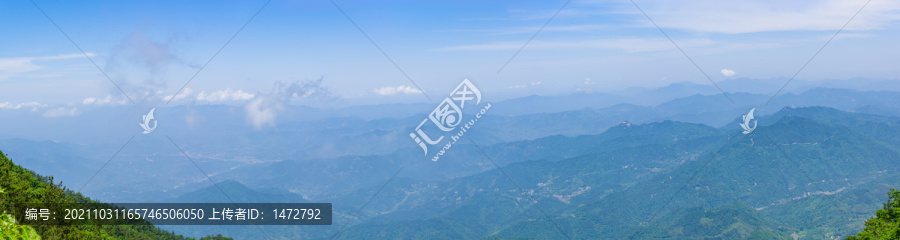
(239,193)
(808,172)
(731,221)
(886,222)
(20,185)
(756,185)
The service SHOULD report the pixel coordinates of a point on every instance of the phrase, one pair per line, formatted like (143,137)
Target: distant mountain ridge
(591,164)
(234,191)
(829,145)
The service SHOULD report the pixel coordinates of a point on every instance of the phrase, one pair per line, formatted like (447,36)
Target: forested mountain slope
(811,172)
(20,185)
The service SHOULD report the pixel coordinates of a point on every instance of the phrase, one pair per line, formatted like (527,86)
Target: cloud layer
(33,105)
(11,67)
(388,91)
(262,110)
(211,97)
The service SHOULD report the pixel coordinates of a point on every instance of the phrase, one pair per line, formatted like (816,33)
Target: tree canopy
(885,224)
(20,185)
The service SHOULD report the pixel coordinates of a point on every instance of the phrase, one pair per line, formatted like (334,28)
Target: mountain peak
(236,192)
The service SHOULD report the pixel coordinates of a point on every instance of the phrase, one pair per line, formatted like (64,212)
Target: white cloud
(728,72)
(532,84)
(212,97)
(224,95)
(387,91)
(108,100)
(263,109)
(182,95)
(10,67)
(60,112)
(261,112)
(186,94)
(33,105)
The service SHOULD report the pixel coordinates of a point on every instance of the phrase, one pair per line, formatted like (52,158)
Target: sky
(309,51)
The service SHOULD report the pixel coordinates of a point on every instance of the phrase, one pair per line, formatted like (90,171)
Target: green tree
(10,230)
(885,224)
(20,185)
(216,237)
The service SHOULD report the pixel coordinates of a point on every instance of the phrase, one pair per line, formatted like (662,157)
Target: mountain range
(673,164)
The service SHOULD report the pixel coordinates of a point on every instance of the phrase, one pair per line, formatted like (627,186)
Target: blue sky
(151,48)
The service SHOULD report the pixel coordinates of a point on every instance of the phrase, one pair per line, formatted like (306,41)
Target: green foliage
(216,237)
(425,229)
(733,221)
(750,187)
(240,193)
(886,223)
(10,230)
(20,185)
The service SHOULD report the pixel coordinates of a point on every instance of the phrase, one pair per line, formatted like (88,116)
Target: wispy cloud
(533,29)
(224,95)
(709,16)
(33,105)
(532,84)
(388,91)
(188,94)
(108,100)
(15,66)
(185,93)
(140,66)
(732,17)
(262,110)
(211,97)
(622,44)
